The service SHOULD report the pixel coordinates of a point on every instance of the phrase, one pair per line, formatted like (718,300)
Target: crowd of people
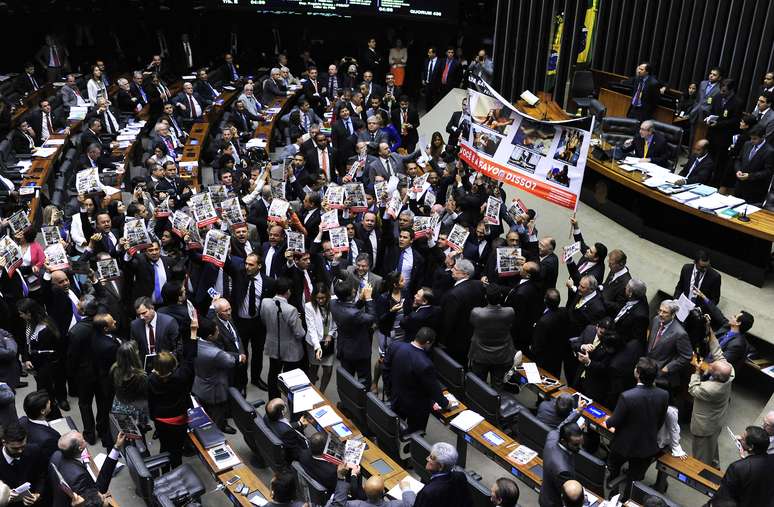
(359,247)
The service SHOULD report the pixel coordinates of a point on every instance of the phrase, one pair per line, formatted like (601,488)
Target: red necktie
(151,340)
(446,71)
(191,104)
(658,335)
(325,164)
(307,290)
(50,125)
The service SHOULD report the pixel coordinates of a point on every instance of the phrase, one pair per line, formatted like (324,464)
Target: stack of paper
(44,152)
(305,399)
(256,142)
(294,379)
(715,202)
(78,112)
(467,420)
(522,455)
(684,197)
(325,416)
(414,485)
(53,142)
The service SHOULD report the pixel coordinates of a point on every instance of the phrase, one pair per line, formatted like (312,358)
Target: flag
(587,33)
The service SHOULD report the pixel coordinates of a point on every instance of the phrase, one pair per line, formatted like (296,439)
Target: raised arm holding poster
(339,239)
(231,212)
(203,211)
(356,197)
(335,196)
(51,234)
(136,235)
(56,257)
(278,210)
(107,269)
(216,245)
(10,255)
(492,211)
(180,223)
(19,221)
(457,237)
(329,220)
(507,261)
(295,241)
(87,181)
(544,158)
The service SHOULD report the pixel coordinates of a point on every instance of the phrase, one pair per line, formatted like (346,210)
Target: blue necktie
(76,314)
(156,288)
(400,261)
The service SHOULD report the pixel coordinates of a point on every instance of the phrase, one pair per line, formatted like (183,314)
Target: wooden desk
(372,453)
(745,248)
(265,128)
(688,472)
(39,173)
(244,472)
(30,102)
(617,104)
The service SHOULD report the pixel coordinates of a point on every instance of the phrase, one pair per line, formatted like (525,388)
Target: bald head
(720,370)
(572,493)
(71,444)
(374,488)
(531,269)
(60,280)
(768,423)
(275,408)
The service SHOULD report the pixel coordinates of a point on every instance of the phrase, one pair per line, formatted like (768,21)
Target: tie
(325,164)
(400,261)
(107,122)
(108,243)
(348,123)
(446,71)
(234,74)
(34,83)
(753,151)
(373,136)
(251,306)
(151,340)
(429,70)
(305,123)
(405,115)
(142,94)
(389,168)
(693,166)
(156,282)
(76,314)
(50,125)
(658,336)
(55,56)
(307,290)
(637,94)
(191,105)
(645,149)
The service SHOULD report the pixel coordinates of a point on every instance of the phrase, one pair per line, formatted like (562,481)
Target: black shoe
(155,435)
(260,384)
(22,384)
(228,429)
(64,405)
(90,439)
(24,374)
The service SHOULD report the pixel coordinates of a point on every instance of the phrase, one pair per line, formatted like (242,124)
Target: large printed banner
(545,158)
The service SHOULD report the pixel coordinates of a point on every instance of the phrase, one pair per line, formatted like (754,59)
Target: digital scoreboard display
(442,10)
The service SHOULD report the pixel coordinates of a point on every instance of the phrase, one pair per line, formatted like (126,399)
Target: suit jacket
(432,78)
(43,436)
(273,90)
(672,351)
(75,473)
(709,285)
(760,169)
(35,120)
(633,323)
(491,342)
(30,468)
(278,263)
(549,338)
(69,97)
(526,299)
(354,328)
(703,171)
(23,84)
(397,163)
(127,103)
(583,268)
(658,150)
(139,93)
(549,271)
(412,136)
(80,359)
(342,492)
(320,470)
(614,292)
(454,74)
(294,440)
(453,127)
(88,137)
(558,467)
(314,96)
(140,274)
(364,236)
(284,330)
(343,142)
(390,263)
(228,338)
(649,95)
(449,489)
(182,98)
(456,306)
(424,316)
(734,346)
(638,416)
(349,274)
(546,413)
(711,399)
(591,312)
(166,334)
(410,378)
(748,481)
(206,90)
(701,108)
(313,167)
(212,366)
(728,110)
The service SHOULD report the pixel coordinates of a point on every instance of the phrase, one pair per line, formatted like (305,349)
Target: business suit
(424,316)
(491,345)
(230,341)
(734,345)
(320,470)
(314,168)
(343,141)
(291,435)
(76,474)
(410,116)
(350,274)
(312,90)
(758,163)
(431,80)
(353,347)
(185,99)
(412,384)
(166,335)
(698,169)
(454,128)
(30,467)
(25,84)
(70,96)
(278,265)
(672,350)
(558,466)
(614,291)
(711,401)
(549,341)
(449,489)
(707,94)
(391,261)
(546,413)
(549,271)
(658,150)
(456,306)
(638,416)
(35,120)
(396,164)
(585,267)
(213,366)
(140,274)
(632,320)
(368,247)
(580,314)
(341,494)
(526,299)
(250,327)
(273,90)
(645,95)
(206,90)
(708,283)
(42,435)
(82,369)
(284,338)
(748,481)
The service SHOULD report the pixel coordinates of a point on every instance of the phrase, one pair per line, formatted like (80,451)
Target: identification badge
(725,113)
(709,100)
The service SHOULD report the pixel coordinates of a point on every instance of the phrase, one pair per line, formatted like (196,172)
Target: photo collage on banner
(544,158)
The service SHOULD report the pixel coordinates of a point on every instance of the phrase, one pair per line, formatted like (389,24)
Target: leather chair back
(419,449)
(617,129)
(532,432)
(481,398)
(449,371)
(244,416)
(312,491)
(641,492)
(591,471)
(270,447)
(674,139)
(385,425)
(353,397)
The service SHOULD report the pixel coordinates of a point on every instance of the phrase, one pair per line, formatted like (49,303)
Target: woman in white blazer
(320,335)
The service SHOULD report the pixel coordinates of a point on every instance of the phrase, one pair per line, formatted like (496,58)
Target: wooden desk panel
(617,104)
(688,472)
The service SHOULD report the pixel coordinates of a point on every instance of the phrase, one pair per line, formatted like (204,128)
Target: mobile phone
(233,480)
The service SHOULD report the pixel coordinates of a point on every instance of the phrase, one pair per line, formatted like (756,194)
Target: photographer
(731,333)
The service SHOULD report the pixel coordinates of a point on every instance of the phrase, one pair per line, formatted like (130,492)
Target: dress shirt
(46,126)
(74,303)
(430,68)
(585,299)
(406,263)
(374,245)
(244,308)
(267,262)
(696,162)
(323,160)
(160,273)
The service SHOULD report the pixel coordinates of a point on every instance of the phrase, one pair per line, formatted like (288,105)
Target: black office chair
(592,472)
(616,129)
(582,90)
(244,415)
(499,409)
(387,428)
(641,492)
(311,491)
(353,397)
(270,447)
(139,444)
(153,477)
(532,432)
(450,372)
(674,139)
(478,492)
(419,450)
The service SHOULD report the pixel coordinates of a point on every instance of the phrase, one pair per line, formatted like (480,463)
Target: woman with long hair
(320,334)
(174,303)
(436,147)
(169,386)
(41,351)
(33,260)
(131,385)
(389,311)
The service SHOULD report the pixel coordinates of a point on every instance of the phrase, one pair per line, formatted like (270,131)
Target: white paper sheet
(326,416)
(305,399)
(533,375)
(397,493)
(467,420)
(685,306)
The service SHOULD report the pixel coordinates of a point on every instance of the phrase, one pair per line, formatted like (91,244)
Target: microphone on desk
(517,360)
(743,217)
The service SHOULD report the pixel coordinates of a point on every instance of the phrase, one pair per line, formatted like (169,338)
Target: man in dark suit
(405,119)
(190,103)
(45,123)
(137,90)
(668,343)
(313,91)
(93,158)
(371,236)
(23,139)
(451,72)
(549,262)
(526,299)
(344,135)
(701,275)
(67,461)
(549,342)
(353,347)
(37,406)
(273,253)
(593,261)
(632,320)
(407,260)
(726,111)
(431,78)
(447,487)
(638,416)
(313,462)
(731,333)
(291,433)
(424,313)
(454,126)
(411,381)
(646,90)
(93,135)
(754,168)
(562,444)
(649,145)
(585,307)
(553,412)
(21,461)
(26,82)
(203,87)
(146,272)
(614,288)
(109,118)
(456,305)
(153,331)
(748,481)
(372,60)
(320,159)
(273,88)
(700,167)
(230,340)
